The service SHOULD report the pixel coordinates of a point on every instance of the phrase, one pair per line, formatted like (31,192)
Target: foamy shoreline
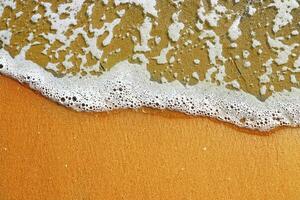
(128,86)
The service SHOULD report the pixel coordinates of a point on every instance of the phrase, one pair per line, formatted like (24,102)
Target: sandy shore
(50,152)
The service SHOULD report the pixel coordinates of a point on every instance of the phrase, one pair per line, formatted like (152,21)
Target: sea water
(238,61)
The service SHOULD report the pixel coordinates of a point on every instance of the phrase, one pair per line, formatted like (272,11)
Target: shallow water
(238,61)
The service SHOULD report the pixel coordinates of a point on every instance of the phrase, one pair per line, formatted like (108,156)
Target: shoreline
(128,86)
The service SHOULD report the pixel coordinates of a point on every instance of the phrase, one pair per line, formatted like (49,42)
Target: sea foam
(128,85)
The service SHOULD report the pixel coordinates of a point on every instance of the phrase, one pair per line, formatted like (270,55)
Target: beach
(50,152)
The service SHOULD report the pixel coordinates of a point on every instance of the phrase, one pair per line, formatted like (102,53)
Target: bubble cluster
(128,86)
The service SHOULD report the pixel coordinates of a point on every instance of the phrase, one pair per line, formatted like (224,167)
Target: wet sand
(50,152)
(183,52)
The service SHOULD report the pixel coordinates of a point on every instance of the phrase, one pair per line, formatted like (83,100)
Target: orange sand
(50,152)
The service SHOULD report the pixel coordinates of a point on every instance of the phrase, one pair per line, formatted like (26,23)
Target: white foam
(251,10)
(284,9)
(234,31)
(35,18)
(175,28)
(145,33)
(162,58)
(128,86)
(283,50)
(5,36)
